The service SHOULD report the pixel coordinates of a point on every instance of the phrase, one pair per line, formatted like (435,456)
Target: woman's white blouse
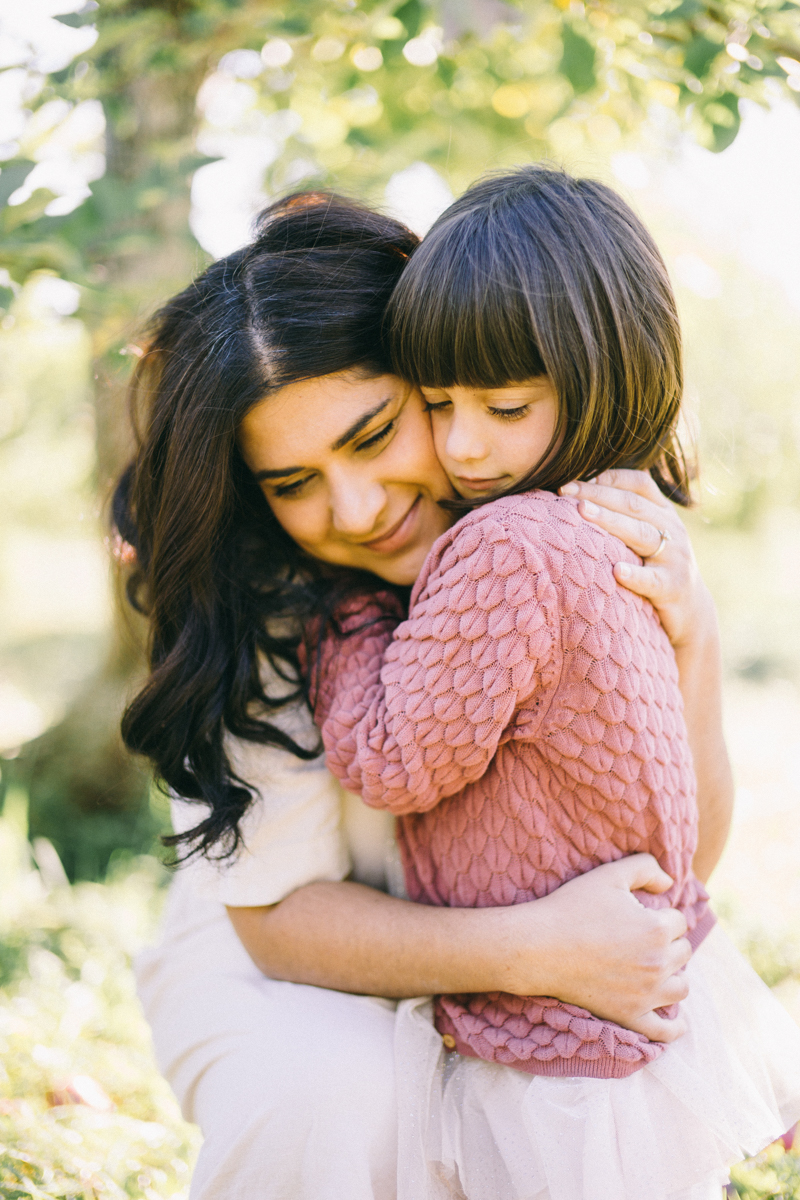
(301,828)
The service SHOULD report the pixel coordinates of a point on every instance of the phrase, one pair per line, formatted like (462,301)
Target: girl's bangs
(459,316)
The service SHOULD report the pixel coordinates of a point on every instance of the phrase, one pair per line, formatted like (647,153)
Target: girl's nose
(356,507)
(464,443)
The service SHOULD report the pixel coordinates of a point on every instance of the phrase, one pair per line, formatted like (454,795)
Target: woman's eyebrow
(358,425)
(279,474)
(346,437)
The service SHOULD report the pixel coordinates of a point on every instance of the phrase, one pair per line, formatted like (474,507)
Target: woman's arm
(590,943)
(629,505)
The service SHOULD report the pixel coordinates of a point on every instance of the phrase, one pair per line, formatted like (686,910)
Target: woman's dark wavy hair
(214,569)
(532,273)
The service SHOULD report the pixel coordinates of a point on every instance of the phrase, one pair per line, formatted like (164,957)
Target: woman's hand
(629,505)
(592,943)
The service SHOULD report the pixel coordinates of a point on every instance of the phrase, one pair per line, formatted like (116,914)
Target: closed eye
(431,406)
(511,414)
(378,437)
(292,489)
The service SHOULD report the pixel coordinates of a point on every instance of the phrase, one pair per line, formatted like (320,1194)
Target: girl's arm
(629,505)
(590,943)
(411,717)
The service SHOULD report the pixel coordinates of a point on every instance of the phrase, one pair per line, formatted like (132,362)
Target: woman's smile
(398,535)
(348,467)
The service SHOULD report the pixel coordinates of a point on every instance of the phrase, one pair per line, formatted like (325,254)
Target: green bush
(71,1027)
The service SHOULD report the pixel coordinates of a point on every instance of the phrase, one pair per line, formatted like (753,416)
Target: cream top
(301,828)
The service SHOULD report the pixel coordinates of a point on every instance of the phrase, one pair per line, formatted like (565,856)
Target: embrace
(434,687)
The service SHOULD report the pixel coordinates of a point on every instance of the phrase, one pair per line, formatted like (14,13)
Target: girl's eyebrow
(346,437)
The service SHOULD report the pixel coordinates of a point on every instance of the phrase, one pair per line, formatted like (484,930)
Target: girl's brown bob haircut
(532,273)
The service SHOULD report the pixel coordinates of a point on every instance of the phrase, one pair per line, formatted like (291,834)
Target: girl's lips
(399,535)
(481,485)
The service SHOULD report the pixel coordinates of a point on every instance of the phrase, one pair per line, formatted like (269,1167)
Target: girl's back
(527,671)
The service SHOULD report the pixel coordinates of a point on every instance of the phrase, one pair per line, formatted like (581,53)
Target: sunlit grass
(773,1175)
(84,1114)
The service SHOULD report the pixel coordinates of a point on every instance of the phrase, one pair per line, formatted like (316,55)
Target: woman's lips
(399,535)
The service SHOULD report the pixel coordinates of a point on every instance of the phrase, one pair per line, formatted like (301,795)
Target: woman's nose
(356,507)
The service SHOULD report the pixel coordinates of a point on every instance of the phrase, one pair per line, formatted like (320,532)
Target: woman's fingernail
(624,570)
(569,489)
(589,509)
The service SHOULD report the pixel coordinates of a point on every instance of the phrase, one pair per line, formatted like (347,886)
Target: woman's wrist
(695,627)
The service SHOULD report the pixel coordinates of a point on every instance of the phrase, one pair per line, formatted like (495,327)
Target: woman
(293,1084)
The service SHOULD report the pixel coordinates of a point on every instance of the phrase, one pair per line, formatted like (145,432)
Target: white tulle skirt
(671,1131)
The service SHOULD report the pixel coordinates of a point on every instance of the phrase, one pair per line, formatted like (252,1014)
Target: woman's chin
(400,571)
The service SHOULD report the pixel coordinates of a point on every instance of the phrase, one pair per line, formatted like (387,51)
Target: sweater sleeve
(411,717)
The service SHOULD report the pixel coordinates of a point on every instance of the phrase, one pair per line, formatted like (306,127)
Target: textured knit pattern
(525,724)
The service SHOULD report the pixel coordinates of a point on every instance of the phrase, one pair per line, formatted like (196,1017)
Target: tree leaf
(699,55)
(578,60)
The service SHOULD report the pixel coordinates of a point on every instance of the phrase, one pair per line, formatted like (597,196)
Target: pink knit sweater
(525,724)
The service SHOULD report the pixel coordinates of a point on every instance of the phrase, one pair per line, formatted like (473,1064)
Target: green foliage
(578,61)
(773,1175)
(498,80)
(68,1014)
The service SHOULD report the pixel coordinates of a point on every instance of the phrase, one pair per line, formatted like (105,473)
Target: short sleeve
(292,833)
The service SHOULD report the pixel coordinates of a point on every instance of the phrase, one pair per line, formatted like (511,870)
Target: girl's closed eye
(511,414)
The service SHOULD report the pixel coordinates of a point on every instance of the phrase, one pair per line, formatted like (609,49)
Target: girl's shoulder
(535,531)
(539,519)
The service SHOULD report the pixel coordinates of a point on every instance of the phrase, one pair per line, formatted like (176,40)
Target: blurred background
(137,141)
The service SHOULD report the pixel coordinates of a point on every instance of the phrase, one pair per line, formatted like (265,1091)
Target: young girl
(525,722)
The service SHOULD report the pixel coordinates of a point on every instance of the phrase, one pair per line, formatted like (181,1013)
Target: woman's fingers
(676,988)
(660,1029)
(628,505)
(636,520)
(628,480)
(643,537)
(654,583)
(638,873)
(631,492)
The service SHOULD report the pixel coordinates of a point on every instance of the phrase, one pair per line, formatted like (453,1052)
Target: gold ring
(665,537)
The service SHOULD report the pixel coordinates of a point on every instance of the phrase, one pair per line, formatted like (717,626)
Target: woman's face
(348,467)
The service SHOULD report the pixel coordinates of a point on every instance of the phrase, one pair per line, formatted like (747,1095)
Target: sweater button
(449,1041)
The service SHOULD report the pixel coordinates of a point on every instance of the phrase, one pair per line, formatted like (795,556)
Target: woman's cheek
(416,444)
(439,428)
(297,518)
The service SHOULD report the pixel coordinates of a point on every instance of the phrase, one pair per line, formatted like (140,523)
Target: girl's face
(347,465)
(488,439)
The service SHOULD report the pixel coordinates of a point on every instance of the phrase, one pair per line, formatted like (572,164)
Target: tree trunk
(86,792)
